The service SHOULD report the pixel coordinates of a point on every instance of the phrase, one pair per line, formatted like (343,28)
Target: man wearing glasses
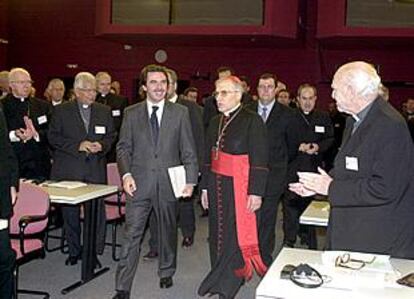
(81,133)
(27,119)
(233,183)
(370,188)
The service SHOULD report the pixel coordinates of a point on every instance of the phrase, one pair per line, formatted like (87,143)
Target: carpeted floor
(51,274)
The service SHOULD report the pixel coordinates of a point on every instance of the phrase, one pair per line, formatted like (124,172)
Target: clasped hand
(311,183)
(90,147)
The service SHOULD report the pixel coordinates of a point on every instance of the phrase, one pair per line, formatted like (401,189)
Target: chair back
(113,178)
(31,201)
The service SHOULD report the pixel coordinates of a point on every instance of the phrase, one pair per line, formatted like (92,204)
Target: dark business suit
(148,163)
(8,178)
(282,149)
(33,157)
(66,132)
(117,104)
(372,192)
(315,127)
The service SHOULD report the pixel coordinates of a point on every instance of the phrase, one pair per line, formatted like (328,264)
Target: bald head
(355,85)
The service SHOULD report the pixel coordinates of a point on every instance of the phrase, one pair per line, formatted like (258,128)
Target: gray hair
(101,75)
(14,71)
(82,79)
(55,81)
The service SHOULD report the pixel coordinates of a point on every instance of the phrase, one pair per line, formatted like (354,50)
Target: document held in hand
(178,180)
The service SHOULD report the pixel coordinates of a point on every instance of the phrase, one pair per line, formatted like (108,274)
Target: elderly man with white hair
(81,133)
(27,120)
(370,187)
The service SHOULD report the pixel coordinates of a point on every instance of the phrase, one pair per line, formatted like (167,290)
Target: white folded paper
(67,184)
(178,180)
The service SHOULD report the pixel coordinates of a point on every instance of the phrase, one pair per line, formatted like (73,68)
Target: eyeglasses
(346,261)
(224,93)
(23,82)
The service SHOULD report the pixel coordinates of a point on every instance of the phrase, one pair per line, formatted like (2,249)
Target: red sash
(237,166)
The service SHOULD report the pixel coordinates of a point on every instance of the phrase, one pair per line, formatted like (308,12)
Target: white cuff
(125,175)
(13,137)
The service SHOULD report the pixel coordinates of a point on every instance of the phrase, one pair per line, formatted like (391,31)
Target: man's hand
(13,195)
(129,185)
(313,149)
(188,191)
(23,134)
(95,147)
(304,147)
(300,190)
(30,127)
(253,202)
(318,183)
(85,146)
(204,199)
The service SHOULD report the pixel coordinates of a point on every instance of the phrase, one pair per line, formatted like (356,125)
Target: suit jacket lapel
(272,114)
(165,121)
(78,117)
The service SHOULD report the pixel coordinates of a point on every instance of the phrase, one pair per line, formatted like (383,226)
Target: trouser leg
(267,218)
(166,212)
(71,224)
(186,217)
(7,264)
(136,217)
(153,229)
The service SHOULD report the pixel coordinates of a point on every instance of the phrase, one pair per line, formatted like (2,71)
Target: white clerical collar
(174,98)
(55,103)
(103,95)
(227,113)
(22,99)
(85,106)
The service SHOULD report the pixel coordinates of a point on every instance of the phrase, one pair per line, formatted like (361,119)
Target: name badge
(100,130)
(351,163)
(116,113)
(42,119)
(319,129)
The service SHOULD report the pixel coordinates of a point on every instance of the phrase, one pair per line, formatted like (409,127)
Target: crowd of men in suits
(73,140)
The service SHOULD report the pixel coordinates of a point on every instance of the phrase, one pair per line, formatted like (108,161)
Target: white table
(315,215)
(272,286)
(87,195)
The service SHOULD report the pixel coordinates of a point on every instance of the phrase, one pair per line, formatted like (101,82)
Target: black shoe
(121,295)
(72,260)
(166,282)
(187,242)
(150,256)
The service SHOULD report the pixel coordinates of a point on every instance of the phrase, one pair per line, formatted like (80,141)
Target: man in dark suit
(56,91)
(155,136)
(314,137)
(370,188)
(81,134)
(27,119)
(117,104)
(278,119)
(186,217)
(8,184)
